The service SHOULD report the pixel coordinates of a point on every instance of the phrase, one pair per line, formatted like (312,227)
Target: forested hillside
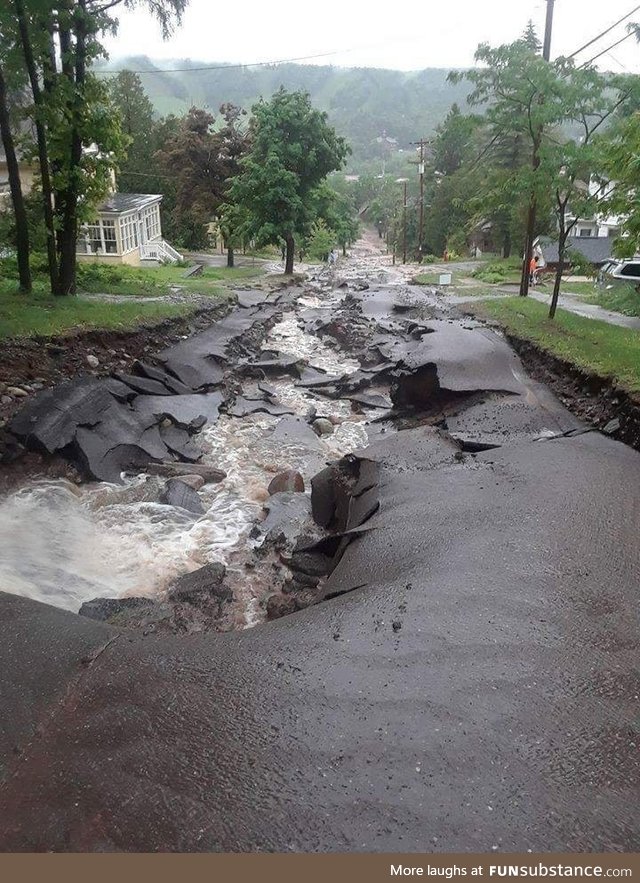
(362,102)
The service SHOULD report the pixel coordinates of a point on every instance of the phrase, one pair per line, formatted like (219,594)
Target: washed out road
(474,685)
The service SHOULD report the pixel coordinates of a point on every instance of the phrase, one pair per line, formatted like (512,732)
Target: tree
(530,37)
(204,161)
(591,101)
(524,95)
(77,134)
(135,111)
(453,145)
(15,186)
(320,241)
(293,150)
(337,213)
(621,169)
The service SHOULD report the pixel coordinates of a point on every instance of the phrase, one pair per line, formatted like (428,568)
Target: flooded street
(434,645)
(65,544)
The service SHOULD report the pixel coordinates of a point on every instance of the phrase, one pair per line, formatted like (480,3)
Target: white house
(600,226)
(127,230)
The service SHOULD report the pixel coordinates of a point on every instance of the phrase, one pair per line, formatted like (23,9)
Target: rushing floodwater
(64,544)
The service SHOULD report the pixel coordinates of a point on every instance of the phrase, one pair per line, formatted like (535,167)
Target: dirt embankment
(28,365)
(596,399)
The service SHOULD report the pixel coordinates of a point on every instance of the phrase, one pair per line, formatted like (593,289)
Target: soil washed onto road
(349,580)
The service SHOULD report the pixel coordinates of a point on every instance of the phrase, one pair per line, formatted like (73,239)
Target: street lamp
(404,181)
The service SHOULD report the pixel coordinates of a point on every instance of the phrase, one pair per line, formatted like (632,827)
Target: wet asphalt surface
(476,691)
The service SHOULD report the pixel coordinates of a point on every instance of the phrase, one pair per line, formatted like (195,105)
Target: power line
(604,33)
(608,49)
(226,67)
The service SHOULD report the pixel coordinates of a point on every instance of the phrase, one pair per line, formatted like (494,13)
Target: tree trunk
(291,245)
(506,245)
(528,248)
(22,226)
(41,137)
(69,201)
(562,243)
(230,256)
(531,220)
(344,250)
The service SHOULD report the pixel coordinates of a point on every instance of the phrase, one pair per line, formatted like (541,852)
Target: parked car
(620,272)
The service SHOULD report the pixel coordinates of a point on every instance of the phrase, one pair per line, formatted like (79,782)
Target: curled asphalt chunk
(182,410)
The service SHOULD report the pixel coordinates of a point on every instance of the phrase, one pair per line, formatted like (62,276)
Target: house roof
(596,249)
(121,203)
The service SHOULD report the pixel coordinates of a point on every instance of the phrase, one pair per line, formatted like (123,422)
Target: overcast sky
(407,35)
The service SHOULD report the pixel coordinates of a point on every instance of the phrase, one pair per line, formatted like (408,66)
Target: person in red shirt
(533,271)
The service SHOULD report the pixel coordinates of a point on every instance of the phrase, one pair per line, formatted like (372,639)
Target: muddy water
(64,544)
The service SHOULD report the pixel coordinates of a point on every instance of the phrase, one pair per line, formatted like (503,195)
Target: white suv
(615,272)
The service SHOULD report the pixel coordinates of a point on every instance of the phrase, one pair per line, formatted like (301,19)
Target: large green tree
(293,151)
(524,98)
(573,165)
(204,157)
(78,136)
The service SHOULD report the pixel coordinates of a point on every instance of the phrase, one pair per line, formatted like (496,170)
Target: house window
(614,232)
(586,232)
(128,233)
(150,217)
(109,237)
(98,238)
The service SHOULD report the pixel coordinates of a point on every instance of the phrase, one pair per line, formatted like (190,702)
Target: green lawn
(607,350)
(158,281)
(40,314)
(620,298)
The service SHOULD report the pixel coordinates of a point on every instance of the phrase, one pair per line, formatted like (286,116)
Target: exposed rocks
(280,605)
(17,392)
(321,426)
(195,602)
(203,584)
(289,481)
(313,564)
(180,494)
(199,599)
(126,612)
(93,361)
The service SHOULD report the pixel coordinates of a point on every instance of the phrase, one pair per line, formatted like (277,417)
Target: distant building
(593,238)
(480,239)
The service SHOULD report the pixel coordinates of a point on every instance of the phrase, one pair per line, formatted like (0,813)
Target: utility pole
(533,207)
(421,144)
(404,181)
(404,225)
(548,31)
